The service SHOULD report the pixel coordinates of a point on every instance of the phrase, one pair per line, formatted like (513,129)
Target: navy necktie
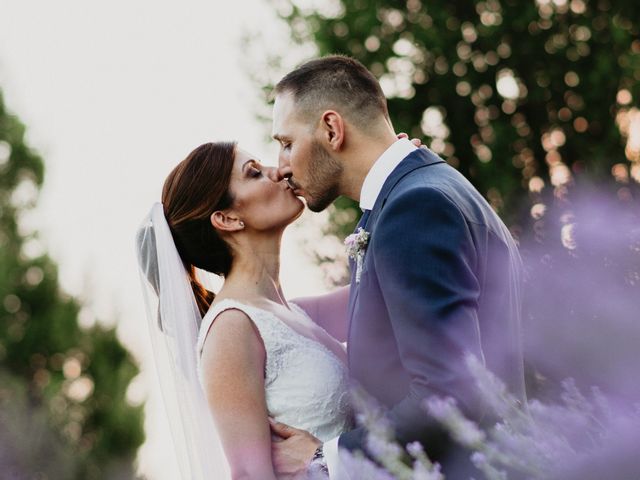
(363,219)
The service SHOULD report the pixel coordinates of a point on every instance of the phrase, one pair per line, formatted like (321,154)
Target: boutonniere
(356,244)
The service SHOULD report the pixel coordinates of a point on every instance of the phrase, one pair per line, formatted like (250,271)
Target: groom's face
(312,171)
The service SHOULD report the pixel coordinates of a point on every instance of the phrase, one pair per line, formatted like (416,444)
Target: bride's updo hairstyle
(197,187)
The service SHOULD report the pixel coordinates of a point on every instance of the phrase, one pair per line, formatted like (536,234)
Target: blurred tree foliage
(63,412)
(525,98)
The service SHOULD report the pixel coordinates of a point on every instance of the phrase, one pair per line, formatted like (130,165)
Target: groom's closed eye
(285,143)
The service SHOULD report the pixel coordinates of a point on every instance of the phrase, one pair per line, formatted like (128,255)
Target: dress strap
(298,309)
(213,313)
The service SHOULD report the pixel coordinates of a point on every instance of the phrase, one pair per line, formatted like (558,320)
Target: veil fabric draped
(174,319)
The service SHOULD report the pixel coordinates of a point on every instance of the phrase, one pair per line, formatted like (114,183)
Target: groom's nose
(277,174)
(273,173)
(285,172)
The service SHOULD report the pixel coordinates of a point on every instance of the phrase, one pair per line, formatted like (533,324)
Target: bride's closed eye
(253,169)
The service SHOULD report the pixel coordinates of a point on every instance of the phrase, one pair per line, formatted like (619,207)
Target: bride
(232,362)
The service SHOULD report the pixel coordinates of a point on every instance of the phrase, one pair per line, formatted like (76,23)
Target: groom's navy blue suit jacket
(440,278)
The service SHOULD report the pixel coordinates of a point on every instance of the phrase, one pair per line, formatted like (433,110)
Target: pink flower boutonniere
(356,244)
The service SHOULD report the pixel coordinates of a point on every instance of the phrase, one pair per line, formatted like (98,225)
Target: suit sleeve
(425,261)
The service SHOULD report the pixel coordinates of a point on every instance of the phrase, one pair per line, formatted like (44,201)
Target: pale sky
(114,94)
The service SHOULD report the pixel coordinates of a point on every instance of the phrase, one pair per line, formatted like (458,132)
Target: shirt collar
(381,169)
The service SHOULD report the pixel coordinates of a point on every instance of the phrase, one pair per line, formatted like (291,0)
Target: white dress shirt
(371,187)
(381,169)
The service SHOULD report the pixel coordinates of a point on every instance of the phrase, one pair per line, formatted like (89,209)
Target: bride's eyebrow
(251,160)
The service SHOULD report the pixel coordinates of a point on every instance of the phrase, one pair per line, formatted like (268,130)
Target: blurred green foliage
(525,98)
(63,411)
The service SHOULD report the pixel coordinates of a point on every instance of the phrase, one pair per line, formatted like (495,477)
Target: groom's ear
(226,221)
(332,128)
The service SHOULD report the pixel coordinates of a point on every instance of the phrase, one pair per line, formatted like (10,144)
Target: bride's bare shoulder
(232,332)
(232,352)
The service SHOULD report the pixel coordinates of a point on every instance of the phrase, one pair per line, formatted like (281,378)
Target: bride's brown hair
(195,188)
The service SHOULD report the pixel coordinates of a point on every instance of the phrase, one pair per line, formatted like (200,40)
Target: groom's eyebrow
(279,137)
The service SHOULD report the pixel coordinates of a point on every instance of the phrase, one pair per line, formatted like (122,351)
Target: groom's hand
(293,453)
(416,141)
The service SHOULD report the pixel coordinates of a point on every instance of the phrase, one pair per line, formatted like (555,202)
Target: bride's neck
(255,273)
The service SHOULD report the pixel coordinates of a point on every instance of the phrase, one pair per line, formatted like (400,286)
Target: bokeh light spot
(12,303)
(571,79)
(538,210)
(71,368)
(507,85)
(372,43)
(536,184)
(580,124)
(624,97)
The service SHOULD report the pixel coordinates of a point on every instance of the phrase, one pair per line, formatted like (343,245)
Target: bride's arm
(233,377)
(329,311)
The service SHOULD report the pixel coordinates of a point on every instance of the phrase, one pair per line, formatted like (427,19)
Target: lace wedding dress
(306,385)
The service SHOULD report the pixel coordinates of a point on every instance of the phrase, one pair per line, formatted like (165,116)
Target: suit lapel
(418,159)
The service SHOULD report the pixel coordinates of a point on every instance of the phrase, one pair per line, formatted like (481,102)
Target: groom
(440,275)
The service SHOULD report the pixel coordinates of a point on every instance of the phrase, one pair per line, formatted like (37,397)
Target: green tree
(63,412)
(525,98)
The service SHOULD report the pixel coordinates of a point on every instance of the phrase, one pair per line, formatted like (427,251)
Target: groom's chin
(314,208)
(317,207)
(318,204)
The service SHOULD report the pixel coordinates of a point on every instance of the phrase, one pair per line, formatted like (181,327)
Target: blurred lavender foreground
(582,295)
(582,338)
(582,308)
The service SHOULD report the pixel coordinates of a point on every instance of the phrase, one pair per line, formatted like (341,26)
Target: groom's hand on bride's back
(293,451)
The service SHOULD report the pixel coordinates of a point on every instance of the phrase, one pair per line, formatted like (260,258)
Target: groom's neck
(362,152)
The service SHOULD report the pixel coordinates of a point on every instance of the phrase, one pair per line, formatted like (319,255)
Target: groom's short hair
(339,83)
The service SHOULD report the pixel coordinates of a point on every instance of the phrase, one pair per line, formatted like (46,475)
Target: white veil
(174,320)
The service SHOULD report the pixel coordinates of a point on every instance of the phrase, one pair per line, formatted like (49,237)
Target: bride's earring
(241,224)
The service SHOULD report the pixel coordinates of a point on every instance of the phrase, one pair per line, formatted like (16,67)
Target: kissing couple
(435,276)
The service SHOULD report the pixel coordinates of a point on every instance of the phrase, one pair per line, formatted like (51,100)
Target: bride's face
(259,202)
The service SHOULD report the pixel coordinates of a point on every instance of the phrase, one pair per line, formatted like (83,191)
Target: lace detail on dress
(306,385)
